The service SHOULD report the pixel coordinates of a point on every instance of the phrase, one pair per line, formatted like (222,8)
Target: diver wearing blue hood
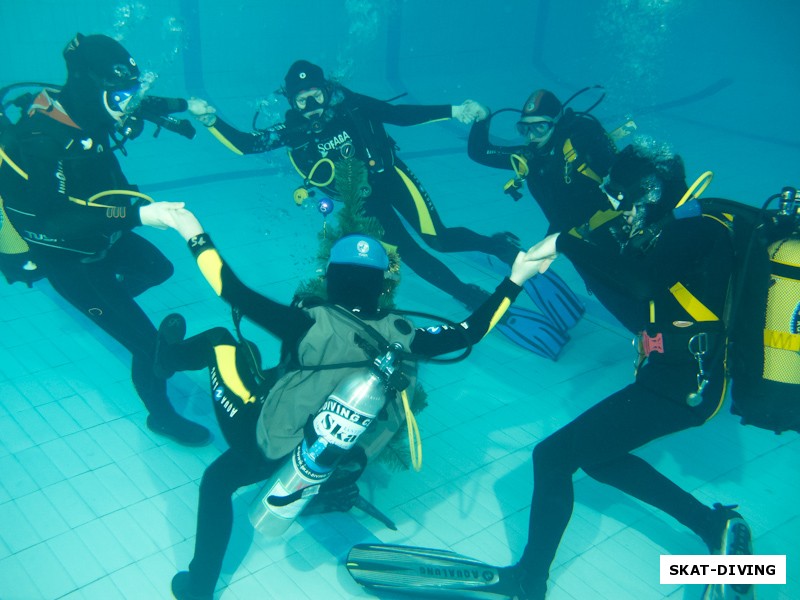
(264,418)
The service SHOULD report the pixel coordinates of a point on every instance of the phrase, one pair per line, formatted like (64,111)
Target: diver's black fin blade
(555,299)
(428,572)
(533,331)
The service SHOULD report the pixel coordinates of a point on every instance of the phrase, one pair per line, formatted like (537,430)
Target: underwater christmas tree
(352,187)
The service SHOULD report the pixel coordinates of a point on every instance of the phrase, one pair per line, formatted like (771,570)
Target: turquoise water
(94,506)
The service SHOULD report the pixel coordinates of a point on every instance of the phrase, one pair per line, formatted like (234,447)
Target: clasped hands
(173,215)
(469,111)
(536,260)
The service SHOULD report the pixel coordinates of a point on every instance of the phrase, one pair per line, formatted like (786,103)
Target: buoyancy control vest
(345,136)
(79,169)
(334,339)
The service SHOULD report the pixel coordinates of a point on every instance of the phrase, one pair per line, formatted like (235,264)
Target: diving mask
(314,97)
(121,103)
(647,191)
(537,129)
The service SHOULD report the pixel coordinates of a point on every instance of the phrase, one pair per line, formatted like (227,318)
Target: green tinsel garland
(351,188)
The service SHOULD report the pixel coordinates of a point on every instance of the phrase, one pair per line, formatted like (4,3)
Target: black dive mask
(645,192)
(312,103)
(643,195)
(311,100)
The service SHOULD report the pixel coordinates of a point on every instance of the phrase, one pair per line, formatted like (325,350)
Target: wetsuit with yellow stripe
(671,292)
(353,125)
(563,176)
(290,323)
(87,251)
(237,401)
(63,167)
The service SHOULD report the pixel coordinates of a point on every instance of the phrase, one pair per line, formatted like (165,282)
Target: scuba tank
(764,312)
(329,435)
(782,315)
(782,324)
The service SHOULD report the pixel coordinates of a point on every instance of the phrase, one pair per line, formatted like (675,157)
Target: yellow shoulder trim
(696,309)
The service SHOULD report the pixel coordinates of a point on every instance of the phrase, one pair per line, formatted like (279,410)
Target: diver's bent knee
(220,336)
(552,454)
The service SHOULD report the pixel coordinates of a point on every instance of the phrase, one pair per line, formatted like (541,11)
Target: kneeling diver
(264,424)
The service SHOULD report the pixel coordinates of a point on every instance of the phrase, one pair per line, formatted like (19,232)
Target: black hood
(649,178)
(95,64)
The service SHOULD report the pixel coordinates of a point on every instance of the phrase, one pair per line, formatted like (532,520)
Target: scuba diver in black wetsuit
(328,122)
(566,157)
(264,422)
(666,279)
(66,196)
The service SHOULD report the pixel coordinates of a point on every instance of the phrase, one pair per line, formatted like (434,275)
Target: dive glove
(469,111)
(203,111)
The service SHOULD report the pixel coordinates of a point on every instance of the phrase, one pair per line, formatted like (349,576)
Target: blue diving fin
(533,331)
(553,297)
(429,573)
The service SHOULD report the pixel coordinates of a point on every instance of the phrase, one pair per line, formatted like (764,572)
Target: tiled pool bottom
(92,505)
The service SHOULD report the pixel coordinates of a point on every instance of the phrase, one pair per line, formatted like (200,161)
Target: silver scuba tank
(344,416)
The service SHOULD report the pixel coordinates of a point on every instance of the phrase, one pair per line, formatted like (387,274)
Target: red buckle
(652,344)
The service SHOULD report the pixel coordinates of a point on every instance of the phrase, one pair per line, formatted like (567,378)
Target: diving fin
(727,591)
(554,298)
(533,331)
(737,540)
(428,572)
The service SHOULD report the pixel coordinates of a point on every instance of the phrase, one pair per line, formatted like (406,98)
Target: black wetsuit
(244,462)
(86,250)
(353,125)
(566,196)
(643,292)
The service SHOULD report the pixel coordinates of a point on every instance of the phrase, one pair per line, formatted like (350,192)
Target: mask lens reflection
(124,101)
(302,99)
(535,129)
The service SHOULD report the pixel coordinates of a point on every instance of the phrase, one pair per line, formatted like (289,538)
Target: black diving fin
(555,299)
(533,331)
(737,540)
(428,572)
